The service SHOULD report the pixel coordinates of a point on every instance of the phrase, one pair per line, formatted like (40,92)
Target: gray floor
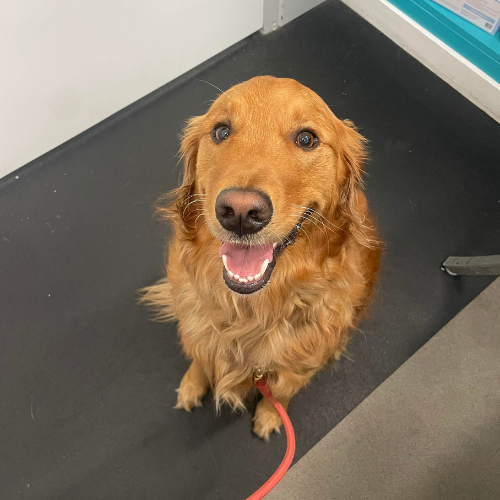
(430,431)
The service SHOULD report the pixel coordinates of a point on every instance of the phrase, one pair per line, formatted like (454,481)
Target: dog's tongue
(246,260)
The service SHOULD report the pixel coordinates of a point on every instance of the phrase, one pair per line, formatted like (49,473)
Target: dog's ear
(352,201)
(178,198)
(189,151)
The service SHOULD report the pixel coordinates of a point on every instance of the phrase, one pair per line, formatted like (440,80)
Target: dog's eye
(220,133)
(306,140)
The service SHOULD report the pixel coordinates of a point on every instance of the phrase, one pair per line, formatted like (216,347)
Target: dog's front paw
(194,386)
(266,420)
(189,396)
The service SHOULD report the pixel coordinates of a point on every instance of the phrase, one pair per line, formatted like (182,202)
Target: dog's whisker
(193,196)
(195,210)
(300,228)
(201,227)
(311,217)
(199,217)
(288,240)
(281,238)
(215,87)
(322,217)
(203,197)
(319,227)
(275,234)
(197,196)
(311,210)
(196,217)
(322,227)
(185,208)
(197,200)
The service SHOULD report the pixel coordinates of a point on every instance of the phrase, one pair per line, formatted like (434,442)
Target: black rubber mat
(87,381)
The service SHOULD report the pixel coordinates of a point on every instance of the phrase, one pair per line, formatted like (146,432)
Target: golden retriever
(274,254)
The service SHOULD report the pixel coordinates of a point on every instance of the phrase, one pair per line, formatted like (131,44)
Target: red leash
(290,447)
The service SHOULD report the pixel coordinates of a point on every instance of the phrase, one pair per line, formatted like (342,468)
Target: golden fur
(301,319)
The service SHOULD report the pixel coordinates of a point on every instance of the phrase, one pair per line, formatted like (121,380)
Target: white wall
(279,12)
(67,65)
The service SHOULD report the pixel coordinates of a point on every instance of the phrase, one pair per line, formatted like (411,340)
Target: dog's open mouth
(247,268)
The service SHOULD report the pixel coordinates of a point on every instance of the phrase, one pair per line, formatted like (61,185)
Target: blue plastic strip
(477,46)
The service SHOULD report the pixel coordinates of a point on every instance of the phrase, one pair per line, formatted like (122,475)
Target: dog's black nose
(243,211)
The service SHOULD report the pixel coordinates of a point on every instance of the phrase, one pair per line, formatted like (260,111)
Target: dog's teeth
(275,245)
(264,267)
(248,279)
(231,275)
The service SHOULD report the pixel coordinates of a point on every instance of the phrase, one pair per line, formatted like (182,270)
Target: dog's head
(266,158)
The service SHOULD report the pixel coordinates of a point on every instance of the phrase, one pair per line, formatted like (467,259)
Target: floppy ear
(179,197)
(189,150)
(352,202)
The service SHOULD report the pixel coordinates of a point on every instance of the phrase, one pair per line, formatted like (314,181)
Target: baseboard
(448,64)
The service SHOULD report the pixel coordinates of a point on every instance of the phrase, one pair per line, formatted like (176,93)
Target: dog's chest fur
(293,330)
